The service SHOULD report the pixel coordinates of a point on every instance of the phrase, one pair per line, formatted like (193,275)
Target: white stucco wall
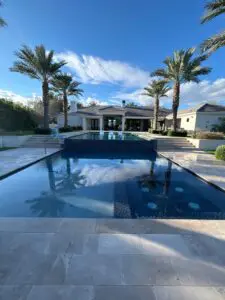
(206,144)
(206,120)
(188,122)
(13,140)
(72,120)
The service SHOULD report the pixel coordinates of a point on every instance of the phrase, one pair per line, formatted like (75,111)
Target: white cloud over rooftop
(96,70)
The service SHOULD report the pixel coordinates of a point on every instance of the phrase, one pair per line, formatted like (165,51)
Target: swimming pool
(106,143)
(107,136)
(65,185)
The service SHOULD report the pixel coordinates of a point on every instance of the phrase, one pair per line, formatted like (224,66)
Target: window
(187,119)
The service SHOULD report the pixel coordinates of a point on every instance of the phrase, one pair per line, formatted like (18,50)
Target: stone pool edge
(14,171)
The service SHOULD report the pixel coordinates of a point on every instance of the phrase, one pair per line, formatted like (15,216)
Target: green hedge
(70,128)
(14,116)
(208,135)
(177,133)
(42,131)
(220,152)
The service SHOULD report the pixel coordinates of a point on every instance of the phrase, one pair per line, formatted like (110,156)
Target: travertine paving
(98,259)
(11,160)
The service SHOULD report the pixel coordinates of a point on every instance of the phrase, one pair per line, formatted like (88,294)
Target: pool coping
(7,174)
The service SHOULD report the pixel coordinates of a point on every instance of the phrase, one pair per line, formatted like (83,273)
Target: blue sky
(111,45)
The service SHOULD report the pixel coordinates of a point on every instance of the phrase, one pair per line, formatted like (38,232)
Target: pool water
(107,136)
(69,186)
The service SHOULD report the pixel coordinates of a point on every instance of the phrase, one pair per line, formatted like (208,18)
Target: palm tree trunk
(65,109)
(156,113)
(176,100)
(46,103)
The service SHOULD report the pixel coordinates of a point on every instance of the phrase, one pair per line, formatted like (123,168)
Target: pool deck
(12,160)
(89,259)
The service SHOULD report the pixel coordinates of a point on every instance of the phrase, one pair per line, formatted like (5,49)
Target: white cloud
(135,96)
(191,94)
(14,97)
(205,91)
(87,101)
(95,70)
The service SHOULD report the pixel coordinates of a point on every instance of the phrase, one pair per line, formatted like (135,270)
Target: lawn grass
(210,151)
(6,148)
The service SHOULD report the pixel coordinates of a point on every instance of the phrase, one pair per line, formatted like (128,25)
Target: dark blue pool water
(107,136)
(67,186)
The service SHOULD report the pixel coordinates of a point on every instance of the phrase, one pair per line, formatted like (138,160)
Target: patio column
(84,121)
(123,123)
(101,123)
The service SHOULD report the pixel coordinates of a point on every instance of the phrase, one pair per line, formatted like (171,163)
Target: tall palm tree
(38,64)
(156,89)
(64,85)
(213,9)
(180,68)
(2,21)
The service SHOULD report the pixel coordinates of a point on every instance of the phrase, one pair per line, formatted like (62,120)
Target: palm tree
(180,68)
(38,64)
(2,21)
(64,85)
(156,89)
(213,10)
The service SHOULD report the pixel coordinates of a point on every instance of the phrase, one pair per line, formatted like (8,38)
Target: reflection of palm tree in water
(167,179)
(51,203)
(71,181)
(48,204)
(149,180)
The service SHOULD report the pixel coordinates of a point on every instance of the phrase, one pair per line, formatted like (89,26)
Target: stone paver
(14,159)
(85,259)
(61,293)
(124,292)
(152,244)
(185,293)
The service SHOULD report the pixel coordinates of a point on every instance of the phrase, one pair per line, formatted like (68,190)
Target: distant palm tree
(156,89)
(213,10)
(2,21)
(64,85)
(180,68)
(38,64)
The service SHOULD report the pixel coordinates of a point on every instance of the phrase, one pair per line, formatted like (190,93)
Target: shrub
(164,132)
(153,131)
(209,135)
(177,133)
(77,128)
(220,152)
(66,129)
(15,117)
(42,131)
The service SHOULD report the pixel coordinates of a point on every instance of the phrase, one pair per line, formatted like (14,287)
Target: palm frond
(37,63)
(2,22)
(213,9)
(157,88)
(212,44)
(182,66)
(63,82)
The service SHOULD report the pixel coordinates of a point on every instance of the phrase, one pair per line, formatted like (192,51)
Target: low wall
(13,140)
(206,144)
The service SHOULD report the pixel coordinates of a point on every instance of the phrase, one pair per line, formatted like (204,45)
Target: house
(200,118)
(109,117)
